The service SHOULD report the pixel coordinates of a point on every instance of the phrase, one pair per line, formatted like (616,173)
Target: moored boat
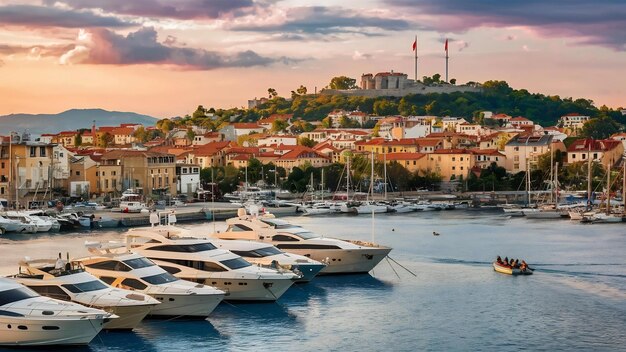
(507,269)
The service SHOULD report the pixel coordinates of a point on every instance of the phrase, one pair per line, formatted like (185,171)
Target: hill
(70,120)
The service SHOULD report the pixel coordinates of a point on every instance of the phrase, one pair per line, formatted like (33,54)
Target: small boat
(505,269)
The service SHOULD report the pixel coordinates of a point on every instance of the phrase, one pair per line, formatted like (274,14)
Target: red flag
(446,45)
(415,45)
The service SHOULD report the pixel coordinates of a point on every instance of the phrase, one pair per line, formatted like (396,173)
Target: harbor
(578,272)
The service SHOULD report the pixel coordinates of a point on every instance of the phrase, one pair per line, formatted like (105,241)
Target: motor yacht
(267,255)
(137,273)
(201,261)
(343,257)
(67,280)
(41,225)
(13,225)
(28,319)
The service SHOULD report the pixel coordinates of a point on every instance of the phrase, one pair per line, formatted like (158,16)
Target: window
(235,263)
(109,265)
(516,166)
(138,263)
(60,155)
(77,173)
(159,279)
(454,168)
(52,292)
(203,266)
(584,156)
(259,253)
(185,248)
(196,170)
(113,173)
(283,238)
(107,279)
(136,284)
(86,286)
(33,151)
(42,151)
(239,228)
(16,294)
(307,246)
(595,155)
(3,164)
(184,170)
(453,158)
(573,156)
(96,173)
(114,183)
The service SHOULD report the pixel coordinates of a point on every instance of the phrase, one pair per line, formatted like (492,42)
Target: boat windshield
(259,253)
(279,224)
(159,279)
(307,235)
(139,263)
(16,294)
(88,286)
(235,263)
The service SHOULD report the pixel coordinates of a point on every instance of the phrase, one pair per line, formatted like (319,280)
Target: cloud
(176,9)
(41,16)
(317,20)
(34,52)
(361,56)
(101,46)
(599,22)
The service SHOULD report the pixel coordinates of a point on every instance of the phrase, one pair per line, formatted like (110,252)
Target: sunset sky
(165,57)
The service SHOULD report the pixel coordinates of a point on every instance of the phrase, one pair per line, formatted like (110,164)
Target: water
(575,301)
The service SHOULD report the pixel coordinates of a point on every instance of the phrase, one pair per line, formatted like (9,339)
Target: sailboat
(369,206)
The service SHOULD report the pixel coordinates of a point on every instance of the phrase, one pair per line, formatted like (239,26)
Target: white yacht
(200,261)
(41,225)
(68,281)
(137,273)
(267,255)
(13,225)
(343,257)
(371,207)
(28,319)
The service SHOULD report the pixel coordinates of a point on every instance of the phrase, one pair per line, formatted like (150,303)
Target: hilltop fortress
(396,84)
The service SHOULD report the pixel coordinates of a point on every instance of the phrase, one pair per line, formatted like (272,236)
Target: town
(429,152)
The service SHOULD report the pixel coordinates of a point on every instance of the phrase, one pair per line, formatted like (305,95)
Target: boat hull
(510,271)
(69,332)
(190,305)
(129,316)
(344,261)
(264,290)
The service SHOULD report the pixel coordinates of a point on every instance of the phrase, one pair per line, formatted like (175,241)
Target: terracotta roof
(245,125)
(519,118)
(453,151)
(298,150)
(486,151)
(596,145)
(122,131)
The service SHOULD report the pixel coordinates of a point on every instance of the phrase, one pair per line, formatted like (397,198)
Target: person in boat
(512,263)
(516,264)
(506,261)
(499,260)
(524,266)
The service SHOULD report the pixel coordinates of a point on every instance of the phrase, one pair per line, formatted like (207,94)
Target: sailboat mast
(608,189)
(552,173)
(322,184)
(348,178)
(528,180)
(385,170)
(589,175)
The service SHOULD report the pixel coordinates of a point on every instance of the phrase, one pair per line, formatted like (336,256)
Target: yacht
(201,261)
(28,319)
(137,273)
(13,225)
(68,281)
(41,225)
(343,257)
(267,255)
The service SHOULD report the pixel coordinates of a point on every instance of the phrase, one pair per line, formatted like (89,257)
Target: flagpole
(447,60)
(416,59)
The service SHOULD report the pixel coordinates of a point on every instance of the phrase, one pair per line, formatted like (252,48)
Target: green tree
(165,125)
(271,92)
(106,140)
(190,134)
(307,142)
(302,90)
(199,113)
(279,125)
(78,140)
(141,135)
(342,83)
(600,128)
(327,122)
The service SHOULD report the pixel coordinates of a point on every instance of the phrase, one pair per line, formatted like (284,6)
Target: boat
(132,207)
(199,260)
(14,225)
(266,255)
(134,272)
(28,319)
(41,225)
(371,207)
(67,280)
(506,269)
(343,257)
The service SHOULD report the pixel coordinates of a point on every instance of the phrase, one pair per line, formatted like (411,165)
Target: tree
(279,125)
(327,122)
(199,113)
(190,134)
(307,142)
(453,81)
(272,93)
(302,90)
(342,83)
(165,125)
(141,135)
(600,128)
(78,140)
(106,139)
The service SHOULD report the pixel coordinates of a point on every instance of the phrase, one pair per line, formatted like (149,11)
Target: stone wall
(418,89)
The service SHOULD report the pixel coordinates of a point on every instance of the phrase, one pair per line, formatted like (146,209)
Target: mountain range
(71,120)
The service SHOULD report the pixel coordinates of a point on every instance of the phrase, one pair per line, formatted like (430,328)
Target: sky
(165,57)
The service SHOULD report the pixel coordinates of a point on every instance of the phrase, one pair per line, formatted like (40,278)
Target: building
(153,172)
(301,156)
(523,150)
(606,151)
(277,140)
(574,121)
(235,130)
(451,163)
(188,179)
(483,158)
(410,161)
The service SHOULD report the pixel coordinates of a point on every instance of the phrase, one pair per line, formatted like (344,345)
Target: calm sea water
(575,301)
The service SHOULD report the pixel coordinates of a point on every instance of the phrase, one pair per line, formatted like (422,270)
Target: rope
(392,268)
(400,265)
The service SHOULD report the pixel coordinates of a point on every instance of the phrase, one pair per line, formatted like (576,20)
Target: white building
(574,121)
(188,178)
